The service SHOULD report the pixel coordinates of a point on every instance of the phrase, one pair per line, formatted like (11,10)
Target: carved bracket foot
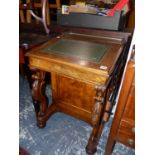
(41,124)
(91,148)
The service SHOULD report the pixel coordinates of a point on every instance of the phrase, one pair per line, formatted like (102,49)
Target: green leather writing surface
(78,49)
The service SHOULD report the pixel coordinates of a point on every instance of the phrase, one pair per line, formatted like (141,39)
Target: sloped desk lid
(78,49)
(84,51)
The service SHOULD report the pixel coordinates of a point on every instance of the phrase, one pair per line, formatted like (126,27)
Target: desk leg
(39,98)
(91,147)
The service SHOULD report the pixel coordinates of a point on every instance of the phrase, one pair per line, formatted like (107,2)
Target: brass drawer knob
(133,129)
(130,141)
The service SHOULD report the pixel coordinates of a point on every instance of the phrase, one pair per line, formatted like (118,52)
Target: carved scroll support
(39,98)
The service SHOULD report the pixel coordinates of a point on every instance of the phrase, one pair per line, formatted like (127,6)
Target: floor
(63,135)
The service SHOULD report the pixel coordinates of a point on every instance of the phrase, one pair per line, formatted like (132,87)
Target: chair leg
(22,18)
(58,4)
(28,15)
(48,14)
(21,14)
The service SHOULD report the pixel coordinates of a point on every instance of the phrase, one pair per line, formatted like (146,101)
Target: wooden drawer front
(85,75)
(126,133)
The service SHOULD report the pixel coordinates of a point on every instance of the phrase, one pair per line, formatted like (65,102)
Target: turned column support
(104,101)
(39,98)
(100,114)
(97,111)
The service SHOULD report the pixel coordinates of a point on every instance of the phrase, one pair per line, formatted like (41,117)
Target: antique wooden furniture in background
(55,5)
(29,6)
(123,126)
(38,4)
(86,67)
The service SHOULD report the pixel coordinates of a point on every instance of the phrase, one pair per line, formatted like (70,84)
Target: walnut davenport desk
(85,67)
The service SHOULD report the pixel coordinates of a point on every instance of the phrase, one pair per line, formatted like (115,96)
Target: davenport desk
(86,68)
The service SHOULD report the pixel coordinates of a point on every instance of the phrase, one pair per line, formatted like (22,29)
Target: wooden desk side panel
(78,93)
(73,97)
